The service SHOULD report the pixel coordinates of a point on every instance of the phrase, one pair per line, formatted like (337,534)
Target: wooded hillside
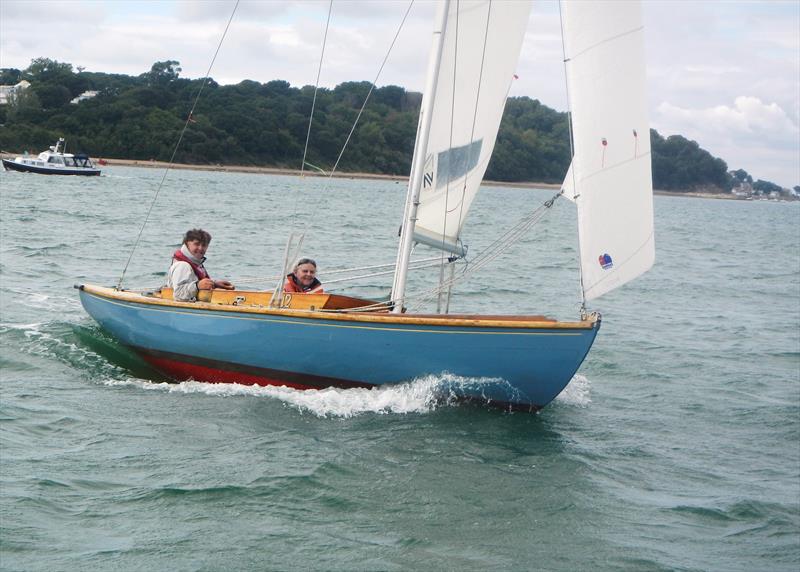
(257,124)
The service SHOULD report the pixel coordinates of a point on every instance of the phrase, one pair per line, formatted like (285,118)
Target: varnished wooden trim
(460,320)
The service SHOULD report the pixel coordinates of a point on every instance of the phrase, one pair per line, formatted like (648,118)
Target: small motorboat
(53,162)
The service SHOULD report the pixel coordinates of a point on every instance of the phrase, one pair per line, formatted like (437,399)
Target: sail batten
(610,177)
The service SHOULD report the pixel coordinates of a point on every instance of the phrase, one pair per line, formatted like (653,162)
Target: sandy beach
(345,175)
(278,171)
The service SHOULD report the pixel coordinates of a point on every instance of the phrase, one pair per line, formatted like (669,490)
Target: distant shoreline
(372,176)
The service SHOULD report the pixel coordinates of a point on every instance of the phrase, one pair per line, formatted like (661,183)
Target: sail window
(456,162)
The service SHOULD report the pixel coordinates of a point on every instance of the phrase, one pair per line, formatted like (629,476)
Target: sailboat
(312,341)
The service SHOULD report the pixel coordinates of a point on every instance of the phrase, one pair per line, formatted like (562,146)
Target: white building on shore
(84,96)
(7,91)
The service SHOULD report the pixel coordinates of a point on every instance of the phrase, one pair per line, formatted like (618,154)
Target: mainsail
(610,177)
(481,46)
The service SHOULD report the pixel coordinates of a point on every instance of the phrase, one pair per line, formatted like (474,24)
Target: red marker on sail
(603,160)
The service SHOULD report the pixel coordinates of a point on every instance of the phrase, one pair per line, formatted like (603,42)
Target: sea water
(675,447)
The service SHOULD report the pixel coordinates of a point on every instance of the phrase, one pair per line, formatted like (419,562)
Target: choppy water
(676,447)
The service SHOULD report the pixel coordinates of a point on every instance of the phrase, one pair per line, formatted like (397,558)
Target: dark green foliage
(10,76)
(266,124)
(54,83)
(532,145)
(681,165)
(23,106)
(741,176)
(162,73)
(767,187)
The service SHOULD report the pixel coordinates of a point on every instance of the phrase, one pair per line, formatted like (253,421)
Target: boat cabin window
(56,160)
(82,160)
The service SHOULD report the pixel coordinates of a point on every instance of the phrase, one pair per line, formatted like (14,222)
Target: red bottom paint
(183,371)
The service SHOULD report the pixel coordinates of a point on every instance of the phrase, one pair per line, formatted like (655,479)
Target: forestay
(610,177)
(482,42)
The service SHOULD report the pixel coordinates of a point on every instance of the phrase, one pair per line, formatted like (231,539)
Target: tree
(51,96)
(47,70)
(767,187)
(740,176)
(162,73)
(10,76)
(23,105)
(682,165)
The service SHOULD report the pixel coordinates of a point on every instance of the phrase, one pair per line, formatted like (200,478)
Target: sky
(723,73)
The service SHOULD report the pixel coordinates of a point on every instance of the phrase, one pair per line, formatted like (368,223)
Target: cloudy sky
(726,74)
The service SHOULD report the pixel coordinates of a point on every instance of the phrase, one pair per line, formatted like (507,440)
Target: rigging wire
(372,87)
(475,109)
(329,176)
(450,145)
(189,119)
(421,263)
(316,88)
(364,105)
(491,252)
(290,256)
(471,136)
(308,132)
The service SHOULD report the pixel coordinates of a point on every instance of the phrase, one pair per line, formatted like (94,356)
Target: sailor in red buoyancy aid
(303,279)
(187,275)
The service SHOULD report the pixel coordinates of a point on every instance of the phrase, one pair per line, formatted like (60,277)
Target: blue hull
(513,364)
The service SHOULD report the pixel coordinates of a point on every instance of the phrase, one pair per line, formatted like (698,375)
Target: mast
(418,161)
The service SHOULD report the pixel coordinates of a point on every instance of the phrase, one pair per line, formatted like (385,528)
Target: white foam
(422,395)
(42,301)
(577,392)
(32,327)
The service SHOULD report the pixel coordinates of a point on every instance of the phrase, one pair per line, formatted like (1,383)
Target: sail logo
(605,261)
(427,177)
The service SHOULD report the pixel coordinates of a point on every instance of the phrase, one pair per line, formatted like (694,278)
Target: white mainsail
(610,176)
(481,47)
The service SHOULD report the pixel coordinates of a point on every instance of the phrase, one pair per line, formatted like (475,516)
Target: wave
(42,301)
(87,350)
(747,510)
(423,395)
(419,396)
(28,251)
(577,393)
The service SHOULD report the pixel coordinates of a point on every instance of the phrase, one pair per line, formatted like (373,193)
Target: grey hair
(301,261)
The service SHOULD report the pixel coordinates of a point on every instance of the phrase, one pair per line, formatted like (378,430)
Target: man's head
(197,234)
(197,241)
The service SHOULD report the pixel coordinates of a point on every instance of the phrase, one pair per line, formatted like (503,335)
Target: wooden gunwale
(463,320)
